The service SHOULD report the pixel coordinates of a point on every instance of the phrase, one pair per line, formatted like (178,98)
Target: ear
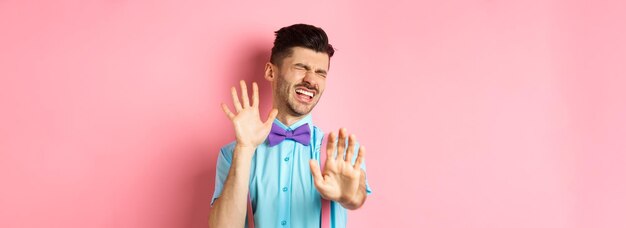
(269,71)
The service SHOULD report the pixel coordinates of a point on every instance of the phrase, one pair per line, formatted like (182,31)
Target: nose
(310,78)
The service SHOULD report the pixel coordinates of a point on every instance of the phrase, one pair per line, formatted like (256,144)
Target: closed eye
(321,73)
(301,66)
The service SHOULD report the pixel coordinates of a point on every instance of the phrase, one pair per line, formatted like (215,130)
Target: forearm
(229,210)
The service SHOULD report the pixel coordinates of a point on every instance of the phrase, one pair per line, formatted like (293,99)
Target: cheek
(322,84)
(286,87)
(291,78)
(321,90)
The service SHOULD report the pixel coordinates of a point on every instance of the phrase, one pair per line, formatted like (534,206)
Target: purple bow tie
(301,134)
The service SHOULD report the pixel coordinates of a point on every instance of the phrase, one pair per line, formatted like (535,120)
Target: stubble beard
(293,106)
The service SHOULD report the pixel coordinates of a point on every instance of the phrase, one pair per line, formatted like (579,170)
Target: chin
(300,111)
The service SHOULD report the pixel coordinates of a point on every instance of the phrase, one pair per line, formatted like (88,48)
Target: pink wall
(475,113)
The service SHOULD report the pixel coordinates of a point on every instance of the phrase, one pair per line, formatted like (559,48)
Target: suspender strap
(325,222)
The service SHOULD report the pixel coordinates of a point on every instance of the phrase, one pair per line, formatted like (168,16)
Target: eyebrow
(307,67)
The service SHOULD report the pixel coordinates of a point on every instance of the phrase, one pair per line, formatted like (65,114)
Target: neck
(287,119)
(285,116)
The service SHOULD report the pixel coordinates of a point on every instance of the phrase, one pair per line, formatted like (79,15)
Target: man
(275,162)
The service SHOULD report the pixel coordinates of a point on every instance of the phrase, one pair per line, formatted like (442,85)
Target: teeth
(305,92)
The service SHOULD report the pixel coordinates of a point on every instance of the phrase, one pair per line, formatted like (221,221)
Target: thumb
(271,117)
(316,172)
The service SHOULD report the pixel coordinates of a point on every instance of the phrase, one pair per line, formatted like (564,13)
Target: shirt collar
(306,120)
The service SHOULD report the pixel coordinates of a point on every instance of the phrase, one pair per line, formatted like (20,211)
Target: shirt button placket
(285,182)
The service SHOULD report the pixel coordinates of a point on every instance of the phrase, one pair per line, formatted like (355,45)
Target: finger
(255,95)
(360,158)
(244,94)
(331,145)
(350,151)
(236,103)
(316,172)
(341,145)
(227,111)
(271,117)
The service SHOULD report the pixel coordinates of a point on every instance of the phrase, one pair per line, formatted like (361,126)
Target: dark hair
(299,35)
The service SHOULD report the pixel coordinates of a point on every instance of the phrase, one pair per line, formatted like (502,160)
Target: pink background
(475,113)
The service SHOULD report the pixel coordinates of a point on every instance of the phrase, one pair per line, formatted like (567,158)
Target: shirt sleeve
(224,160)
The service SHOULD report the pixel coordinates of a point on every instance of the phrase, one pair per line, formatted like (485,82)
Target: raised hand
(340,180)
(249,129)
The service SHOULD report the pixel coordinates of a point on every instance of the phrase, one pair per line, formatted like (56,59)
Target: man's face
(300,81)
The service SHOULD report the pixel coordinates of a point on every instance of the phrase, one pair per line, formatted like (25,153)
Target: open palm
(339,181)
(249,129)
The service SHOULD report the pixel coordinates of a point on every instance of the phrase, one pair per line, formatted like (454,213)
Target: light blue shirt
(281,184)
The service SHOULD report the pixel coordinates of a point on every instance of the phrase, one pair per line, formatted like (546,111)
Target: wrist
(244,151)
(245,147)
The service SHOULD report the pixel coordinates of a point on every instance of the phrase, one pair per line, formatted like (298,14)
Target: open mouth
(305,95)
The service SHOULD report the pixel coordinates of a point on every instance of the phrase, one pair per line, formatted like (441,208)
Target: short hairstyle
(299,35)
